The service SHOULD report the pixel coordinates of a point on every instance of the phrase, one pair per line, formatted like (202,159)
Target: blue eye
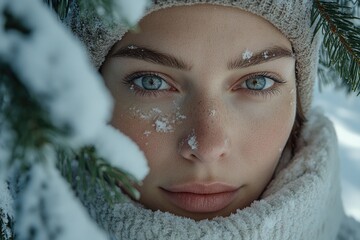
(151,83)
(258,83)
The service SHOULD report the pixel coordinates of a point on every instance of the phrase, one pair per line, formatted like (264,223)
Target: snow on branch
(49,210)
(51,101)
(54,68)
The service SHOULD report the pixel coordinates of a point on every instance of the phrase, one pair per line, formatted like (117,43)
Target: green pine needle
(93,171)
(340,50)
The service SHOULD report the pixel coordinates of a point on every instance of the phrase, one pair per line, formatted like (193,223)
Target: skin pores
(234,83)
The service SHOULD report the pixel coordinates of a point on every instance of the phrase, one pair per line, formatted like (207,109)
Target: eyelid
(129,78)
(129,81)
(275,77)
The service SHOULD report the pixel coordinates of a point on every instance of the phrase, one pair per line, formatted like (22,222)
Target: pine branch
(7,227)
(28,119)
(93,171)
(340,51)
(34,130)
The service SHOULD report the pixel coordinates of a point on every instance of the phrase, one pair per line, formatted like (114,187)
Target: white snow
(192,141)
(164,122)
(6,205)
(162,125)
(6,201)
(265,54)
(148,114)
(247,54)
(49,207)
(121,152)
(54,67)
(344,111)
(212,113)
(132,47)
(131,11)
(147,133)
(156,110)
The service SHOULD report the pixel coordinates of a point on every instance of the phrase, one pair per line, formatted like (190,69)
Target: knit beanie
(291,17)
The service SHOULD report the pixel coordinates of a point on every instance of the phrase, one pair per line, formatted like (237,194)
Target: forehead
(205,30)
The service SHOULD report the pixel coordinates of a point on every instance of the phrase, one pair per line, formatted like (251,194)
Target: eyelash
(128,81)
(274,89)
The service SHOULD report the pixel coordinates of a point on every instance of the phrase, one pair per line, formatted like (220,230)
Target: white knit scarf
(302,202)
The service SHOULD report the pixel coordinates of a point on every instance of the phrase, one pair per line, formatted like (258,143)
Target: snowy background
(344,111)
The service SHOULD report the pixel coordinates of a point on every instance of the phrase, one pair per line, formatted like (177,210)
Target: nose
(205,139)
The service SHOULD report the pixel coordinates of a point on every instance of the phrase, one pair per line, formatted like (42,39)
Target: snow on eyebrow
(132,47)
(265,54)
(247,54)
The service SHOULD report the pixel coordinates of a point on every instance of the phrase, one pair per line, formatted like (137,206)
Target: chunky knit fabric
(302,202)
(291,17)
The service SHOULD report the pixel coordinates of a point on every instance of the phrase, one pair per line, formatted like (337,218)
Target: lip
(201,197)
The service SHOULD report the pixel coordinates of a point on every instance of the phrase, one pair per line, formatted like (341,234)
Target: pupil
(151,83)
(256,84)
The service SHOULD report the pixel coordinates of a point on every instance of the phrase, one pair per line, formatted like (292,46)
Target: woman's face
(208,93)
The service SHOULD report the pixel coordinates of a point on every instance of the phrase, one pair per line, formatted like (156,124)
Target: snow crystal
(212,113)
(50,209)
(163,122)
(156,110)
(6,210)
(121,152)
(147,133)
(247,54)
(54,67)
(152,114)
(132,47)
(192,141)
(178,116)
(131,11)
(162,125)
(6,200)
(265,54)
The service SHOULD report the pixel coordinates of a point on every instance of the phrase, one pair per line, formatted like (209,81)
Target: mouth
(200,197)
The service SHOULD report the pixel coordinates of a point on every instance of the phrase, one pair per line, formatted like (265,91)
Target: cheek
(268,130)
(152,130)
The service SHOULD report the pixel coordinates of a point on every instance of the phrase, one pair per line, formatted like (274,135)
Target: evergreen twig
(33,130)
(340,51)
(6,226)
(114,182)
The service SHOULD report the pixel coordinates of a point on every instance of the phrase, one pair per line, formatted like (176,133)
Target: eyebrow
(259,57)
(152,56)
(157,57)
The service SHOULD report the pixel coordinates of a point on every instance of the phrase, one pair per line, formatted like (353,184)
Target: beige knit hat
(291,17)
